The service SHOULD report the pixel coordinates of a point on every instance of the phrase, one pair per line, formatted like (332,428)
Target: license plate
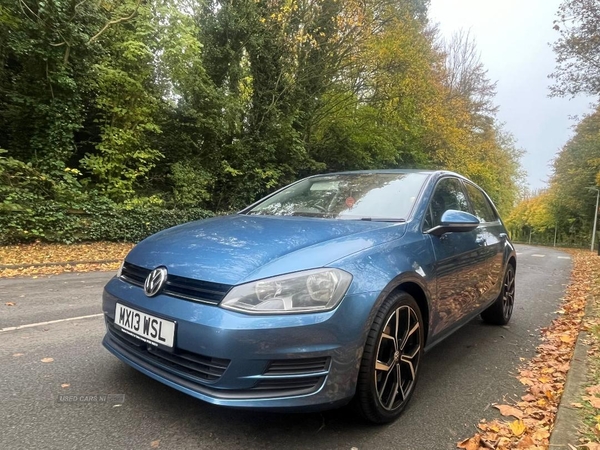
(149,329)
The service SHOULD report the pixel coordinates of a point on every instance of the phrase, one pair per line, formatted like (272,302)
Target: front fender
(382,269)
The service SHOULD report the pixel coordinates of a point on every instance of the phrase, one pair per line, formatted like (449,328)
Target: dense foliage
(182,104)
(566,210)
(37,207)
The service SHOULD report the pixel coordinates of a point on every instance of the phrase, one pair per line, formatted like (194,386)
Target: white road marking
(39,324)
(519,253)
(564,257)
(538,256)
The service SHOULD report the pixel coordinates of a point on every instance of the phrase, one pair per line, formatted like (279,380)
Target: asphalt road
(460,379)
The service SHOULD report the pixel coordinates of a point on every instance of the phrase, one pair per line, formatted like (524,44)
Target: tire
(500,311)
(391,358)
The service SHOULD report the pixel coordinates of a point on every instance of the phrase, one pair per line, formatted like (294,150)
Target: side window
(448,194)
(481,206)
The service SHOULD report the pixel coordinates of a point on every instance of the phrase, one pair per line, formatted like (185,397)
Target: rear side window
(481,206)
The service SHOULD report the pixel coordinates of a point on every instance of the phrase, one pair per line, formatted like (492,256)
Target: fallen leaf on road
(567,339)
(18,354)
(507,410)
(517,427)
(65,385)
(10,304)
(540,435)
(471,443)
(526,442)
(155,444)
(576,405)
(487,444)
(47,360)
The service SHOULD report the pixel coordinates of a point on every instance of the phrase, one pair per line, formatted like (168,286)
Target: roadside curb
(566,425)
(51,264)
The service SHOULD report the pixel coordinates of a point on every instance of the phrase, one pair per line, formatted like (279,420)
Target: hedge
(53,222)
(34,207)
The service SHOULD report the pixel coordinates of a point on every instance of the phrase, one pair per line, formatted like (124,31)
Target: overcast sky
(512,37)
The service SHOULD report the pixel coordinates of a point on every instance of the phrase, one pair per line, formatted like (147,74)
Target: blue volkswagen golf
(326,292)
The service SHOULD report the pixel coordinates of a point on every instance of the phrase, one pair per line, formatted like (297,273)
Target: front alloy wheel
(391,359)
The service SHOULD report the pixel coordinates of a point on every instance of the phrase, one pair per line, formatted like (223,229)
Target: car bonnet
(238,248)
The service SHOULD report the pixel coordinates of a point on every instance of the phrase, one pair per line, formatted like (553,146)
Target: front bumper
(300,362)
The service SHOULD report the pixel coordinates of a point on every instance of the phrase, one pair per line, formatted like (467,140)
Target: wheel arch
(418,293)
(414,285)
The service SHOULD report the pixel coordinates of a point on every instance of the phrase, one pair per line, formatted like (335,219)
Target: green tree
(125,103)
(44,74)
(577,49)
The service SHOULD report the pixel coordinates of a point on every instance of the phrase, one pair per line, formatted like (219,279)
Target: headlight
(309,291)
(120,269)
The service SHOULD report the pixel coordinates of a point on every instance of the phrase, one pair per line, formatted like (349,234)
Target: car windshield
(355,196)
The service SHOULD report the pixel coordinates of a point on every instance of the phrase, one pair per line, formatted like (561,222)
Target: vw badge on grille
(155,281)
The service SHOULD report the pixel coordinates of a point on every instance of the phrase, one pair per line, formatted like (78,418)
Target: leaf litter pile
(93,255)
(528,423)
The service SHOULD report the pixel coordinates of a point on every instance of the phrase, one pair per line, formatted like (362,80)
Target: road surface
(460,379)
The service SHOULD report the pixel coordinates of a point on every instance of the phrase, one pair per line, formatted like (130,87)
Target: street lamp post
(595,215)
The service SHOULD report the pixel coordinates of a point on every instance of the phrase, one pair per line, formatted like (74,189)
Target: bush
(35,207)
(133,225)
(191,184)
(52,222)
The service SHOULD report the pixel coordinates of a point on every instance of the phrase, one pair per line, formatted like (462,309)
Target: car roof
(423,171)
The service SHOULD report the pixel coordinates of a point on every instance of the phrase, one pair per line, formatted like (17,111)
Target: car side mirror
(454,221)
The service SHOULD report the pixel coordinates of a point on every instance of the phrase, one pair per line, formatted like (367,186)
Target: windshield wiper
(382,219)
(319,215)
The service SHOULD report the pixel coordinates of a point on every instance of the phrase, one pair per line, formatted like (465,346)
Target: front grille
(181,287)
(297,366)
(289,384)
(180,362)
(134,274)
